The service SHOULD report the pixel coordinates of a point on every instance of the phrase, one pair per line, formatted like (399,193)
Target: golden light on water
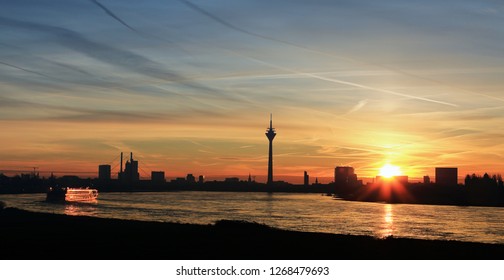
(388,221)
(81,209)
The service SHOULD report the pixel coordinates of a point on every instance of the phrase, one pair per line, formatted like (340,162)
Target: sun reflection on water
(387,229)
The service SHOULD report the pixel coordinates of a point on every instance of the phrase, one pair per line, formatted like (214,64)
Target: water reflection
(387,228)
(81,209)
(303,212)
(269,205)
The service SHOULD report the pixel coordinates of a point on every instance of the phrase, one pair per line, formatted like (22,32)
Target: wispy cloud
(227,24)
(355,83)
(358,106)
(339,81)
(124,59)
(105,53)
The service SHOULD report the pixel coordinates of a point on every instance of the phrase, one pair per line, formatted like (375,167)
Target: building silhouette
(270,133)
(190,179)
(104,172)
(232,180)
(130,173)
(306,179)
(158,177)
(344,175)
(446,176)
(426,179)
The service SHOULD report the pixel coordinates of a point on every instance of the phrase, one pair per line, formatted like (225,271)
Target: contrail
(113,56)
(26,70)
(110,13)
(229,25)
(349,59)
(265,37)
(337,81)
(143,34)
(375,89)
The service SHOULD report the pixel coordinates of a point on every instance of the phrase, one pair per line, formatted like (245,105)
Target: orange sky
(189,89)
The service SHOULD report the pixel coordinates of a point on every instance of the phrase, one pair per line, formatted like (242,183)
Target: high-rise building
(158,177)
(446,176)
(344,175)
(130,173)
(270,133)
(306,179)
(104,172)
(190,178)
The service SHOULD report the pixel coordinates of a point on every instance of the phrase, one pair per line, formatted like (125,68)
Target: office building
(158,177)
(190,178)
(104,172)
(344,175)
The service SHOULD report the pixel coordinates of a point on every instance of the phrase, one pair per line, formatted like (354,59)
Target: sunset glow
(188,86)
(389,171)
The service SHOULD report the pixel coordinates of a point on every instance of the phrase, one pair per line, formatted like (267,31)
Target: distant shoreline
(30,235)
(449,196)
(439,197)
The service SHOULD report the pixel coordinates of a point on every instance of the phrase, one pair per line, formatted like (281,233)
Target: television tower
(270,133)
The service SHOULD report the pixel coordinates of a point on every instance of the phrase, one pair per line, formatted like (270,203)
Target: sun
(389,170)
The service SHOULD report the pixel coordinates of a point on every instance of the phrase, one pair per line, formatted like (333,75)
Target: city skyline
(188,86)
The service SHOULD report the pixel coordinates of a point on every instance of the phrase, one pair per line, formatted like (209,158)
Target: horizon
(189,86)
(261,178)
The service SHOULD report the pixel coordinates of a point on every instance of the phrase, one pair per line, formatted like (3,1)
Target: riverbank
(29,235)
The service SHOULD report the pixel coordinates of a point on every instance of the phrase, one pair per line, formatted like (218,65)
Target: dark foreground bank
(28,235)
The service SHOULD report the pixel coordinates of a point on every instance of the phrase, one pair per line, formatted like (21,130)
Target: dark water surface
(302,212)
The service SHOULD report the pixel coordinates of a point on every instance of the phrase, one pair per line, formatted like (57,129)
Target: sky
(188,86)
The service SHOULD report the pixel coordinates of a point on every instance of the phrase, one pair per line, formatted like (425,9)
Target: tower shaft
(270,163)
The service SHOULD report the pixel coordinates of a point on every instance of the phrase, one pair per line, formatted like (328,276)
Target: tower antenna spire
(270,133)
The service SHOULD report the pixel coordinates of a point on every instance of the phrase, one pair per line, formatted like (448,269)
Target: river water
(301,212)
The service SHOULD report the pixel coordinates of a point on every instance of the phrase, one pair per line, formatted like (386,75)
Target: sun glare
(389,170)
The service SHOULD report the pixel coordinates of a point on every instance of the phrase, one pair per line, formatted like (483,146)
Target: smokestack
(121,163)
(131,156)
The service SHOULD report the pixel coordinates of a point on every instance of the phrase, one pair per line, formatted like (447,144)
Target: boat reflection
(81,209)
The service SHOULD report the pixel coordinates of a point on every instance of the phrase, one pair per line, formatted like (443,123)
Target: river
(301,212)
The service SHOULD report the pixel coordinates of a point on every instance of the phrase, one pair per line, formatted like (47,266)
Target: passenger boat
(72,195)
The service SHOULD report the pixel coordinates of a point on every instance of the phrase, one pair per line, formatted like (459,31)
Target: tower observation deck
(270,133)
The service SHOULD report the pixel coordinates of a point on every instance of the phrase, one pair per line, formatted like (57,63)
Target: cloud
(339,81)
(112,55)
(255,34)
(105,53)
(358,106)
(359,62)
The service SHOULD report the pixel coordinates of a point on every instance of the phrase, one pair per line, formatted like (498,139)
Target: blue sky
(189,85)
